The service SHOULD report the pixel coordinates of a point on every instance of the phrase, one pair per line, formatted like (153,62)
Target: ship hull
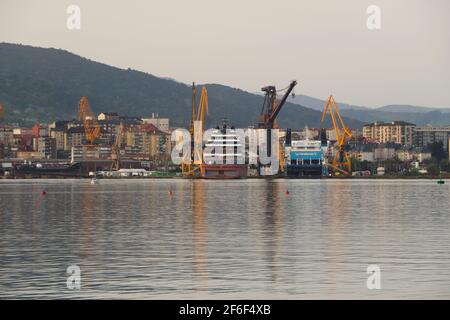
(304,171)
(225,171)
(73,170)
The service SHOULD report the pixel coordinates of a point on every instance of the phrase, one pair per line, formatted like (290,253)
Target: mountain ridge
(318,104)
(45,84)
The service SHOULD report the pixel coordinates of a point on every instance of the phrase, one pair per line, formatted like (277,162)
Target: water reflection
(198,199)
(86,223)
(224,239)
(273,224)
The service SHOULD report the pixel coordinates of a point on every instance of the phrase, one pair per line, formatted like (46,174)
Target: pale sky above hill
(324,44)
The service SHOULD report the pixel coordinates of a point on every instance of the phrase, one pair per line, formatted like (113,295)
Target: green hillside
(38,85)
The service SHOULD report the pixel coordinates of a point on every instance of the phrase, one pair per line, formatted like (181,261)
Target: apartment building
(400,132)
(425,135)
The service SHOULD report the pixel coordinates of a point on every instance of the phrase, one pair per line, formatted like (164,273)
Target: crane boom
(271,108)
(282,102)
(202,106)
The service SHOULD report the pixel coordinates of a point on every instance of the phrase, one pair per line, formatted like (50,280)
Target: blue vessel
(306,158)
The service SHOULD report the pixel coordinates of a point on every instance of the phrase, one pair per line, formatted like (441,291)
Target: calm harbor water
(225,239)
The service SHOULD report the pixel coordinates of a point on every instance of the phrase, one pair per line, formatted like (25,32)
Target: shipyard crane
(271,108)
(341,160)
(115,149)
(188,171)
(90,124)
(196,115)
(269,112)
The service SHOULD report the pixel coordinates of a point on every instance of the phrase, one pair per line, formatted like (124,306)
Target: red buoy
(43,193)
(170,193)
(287,192)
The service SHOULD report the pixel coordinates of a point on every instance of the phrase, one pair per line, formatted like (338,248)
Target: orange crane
(196,115)
(90,124)
(341,160)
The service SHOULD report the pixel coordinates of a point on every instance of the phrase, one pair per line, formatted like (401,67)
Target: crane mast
(194,97)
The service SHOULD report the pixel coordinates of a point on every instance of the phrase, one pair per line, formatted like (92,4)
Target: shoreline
(386,177)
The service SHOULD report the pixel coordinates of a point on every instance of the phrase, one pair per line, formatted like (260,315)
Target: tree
(437,150)
(444,165)
(433,168)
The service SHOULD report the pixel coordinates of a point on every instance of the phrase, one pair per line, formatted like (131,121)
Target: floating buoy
(43,193)
(287,192)
(170,193)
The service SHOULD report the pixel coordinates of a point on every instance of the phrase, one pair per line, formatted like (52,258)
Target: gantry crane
(90,124)
(195,164)
(269,113)
(341,160)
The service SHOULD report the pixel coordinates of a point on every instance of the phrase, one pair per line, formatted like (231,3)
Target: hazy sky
(325,45)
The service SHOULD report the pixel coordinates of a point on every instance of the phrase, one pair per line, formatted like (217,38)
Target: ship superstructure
(224,155)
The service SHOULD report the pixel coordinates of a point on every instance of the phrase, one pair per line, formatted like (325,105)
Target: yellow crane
(90,124)
(202,109)
(341,160)
(189,168)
